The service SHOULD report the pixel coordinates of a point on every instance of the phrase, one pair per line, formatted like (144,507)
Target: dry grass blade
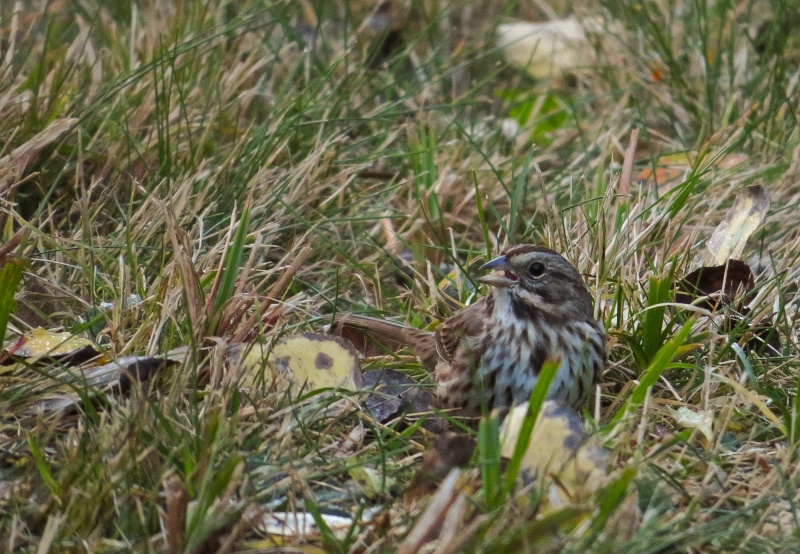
(249,329)
(177,500)
(13,164)
(190,281)
(624,186)
(436,516)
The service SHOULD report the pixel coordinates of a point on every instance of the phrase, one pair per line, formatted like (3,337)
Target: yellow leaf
(308,360)
(41,343)
(559,451)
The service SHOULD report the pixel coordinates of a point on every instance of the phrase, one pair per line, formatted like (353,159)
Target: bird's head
(540,276)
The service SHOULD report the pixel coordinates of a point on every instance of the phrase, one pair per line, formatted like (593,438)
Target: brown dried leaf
(666,169)
(449,451)
(395,394)
(722,284)
(672,167)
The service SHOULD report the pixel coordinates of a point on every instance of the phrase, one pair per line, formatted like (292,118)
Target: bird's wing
(464,324)
(375,337)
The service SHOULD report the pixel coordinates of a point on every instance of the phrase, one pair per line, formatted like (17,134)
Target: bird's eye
(536,269)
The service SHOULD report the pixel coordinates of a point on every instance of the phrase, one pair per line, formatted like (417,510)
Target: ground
(195,175)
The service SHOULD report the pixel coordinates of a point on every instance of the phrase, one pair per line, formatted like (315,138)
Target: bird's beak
(502,274)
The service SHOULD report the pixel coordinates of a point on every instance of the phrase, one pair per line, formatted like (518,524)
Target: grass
(249,167)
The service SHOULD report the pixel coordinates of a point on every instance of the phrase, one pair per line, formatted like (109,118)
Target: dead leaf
(721,284)
(560,456)
(116,376)
(371,482)
(395,394)
(40,344)
(544,50)
(743,218)
(310,361)
(449,451)
(672,167)
(301,525)
(667,168)
(702,420)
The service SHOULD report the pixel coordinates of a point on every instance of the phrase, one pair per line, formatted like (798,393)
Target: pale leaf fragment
(743,218)
(544,50)
(301,525)
(702,420)
(370,481)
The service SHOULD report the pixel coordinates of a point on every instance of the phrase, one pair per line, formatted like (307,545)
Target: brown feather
(373,337)
(469,322)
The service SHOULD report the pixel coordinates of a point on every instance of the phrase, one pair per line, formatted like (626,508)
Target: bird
(489,354)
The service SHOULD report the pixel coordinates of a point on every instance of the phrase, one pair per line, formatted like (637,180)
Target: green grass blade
(482,216)
(329,539)
(489,460)
(660,362)
(653,323)
(522,537)
(10,275)
(611,498)
(234,258)
(43,467)
(535,402)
